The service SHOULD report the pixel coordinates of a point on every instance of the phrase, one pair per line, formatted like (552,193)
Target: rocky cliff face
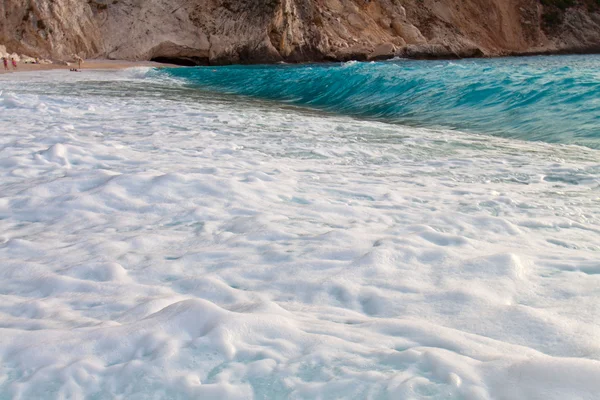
(252,31)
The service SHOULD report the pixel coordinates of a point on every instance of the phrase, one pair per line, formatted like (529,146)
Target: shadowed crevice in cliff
(172,53)
(182,61)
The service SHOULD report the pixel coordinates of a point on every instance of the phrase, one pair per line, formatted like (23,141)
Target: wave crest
(535,98)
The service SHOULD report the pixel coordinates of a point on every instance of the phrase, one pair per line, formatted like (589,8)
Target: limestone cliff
(252,31)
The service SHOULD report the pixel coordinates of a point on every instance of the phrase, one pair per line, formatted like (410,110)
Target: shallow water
(158,240)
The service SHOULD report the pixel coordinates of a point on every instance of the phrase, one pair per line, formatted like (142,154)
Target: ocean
(388,230)
(550,99)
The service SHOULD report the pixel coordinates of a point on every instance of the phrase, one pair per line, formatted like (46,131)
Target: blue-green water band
(551,99)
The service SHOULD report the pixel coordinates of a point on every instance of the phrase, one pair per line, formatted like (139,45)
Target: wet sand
(88,64)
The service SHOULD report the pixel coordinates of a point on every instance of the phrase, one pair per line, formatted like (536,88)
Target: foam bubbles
(173,244)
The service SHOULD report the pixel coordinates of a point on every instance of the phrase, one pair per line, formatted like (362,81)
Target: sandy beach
(88,64)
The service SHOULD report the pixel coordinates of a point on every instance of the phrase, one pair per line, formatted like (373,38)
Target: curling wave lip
(550,99)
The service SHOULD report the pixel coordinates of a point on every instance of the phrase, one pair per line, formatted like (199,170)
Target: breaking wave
(551,99)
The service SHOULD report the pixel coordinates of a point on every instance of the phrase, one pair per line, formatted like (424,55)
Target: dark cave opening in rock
(181,61)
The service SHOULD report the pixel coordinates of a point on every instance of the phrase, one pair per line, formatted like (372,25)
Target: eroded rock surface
(255,31)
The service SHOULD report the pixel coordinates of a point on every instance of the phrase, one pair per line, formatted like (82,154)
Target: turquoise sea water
(552,99)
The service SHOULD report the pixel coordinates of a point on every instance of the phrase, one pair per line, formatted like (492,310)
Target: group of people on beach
(13,61)
(5,62)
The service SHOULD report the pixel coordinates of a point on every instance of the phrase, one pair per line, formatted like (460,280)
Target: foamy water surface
(158,241)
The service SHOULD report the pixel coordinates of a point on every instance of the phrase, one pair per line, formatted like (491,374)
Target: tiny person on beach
(5,60)
(79,61)
(14,63)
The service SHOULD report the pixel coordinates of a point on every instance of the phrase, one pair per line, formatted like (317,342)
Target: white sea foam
(157,242)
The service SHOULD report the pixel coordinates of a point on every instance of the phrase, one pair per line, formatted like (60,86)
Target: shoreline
(87,65)
(106,64)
